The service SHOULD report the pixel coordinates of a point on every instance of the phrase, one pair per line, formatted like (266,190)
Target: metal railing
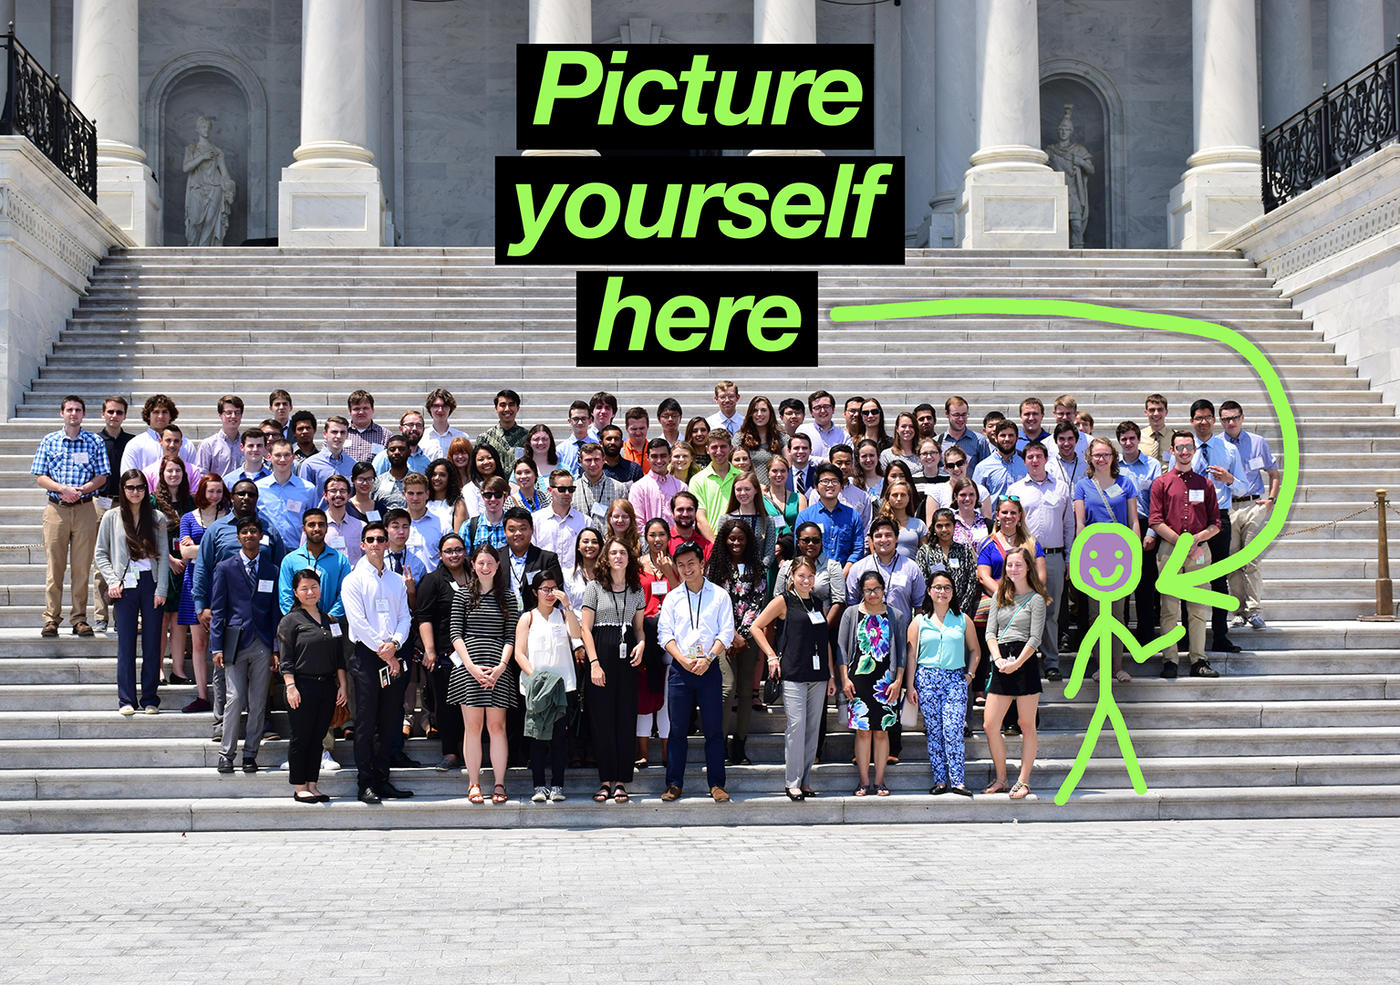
(1349,122)
(36,107)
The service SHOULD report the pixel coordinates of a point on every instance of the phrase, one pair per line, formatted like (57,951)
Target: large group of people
(580,597)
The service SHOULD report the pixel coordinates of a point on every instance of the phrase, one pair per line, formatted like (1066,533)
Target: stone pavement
(1290,901)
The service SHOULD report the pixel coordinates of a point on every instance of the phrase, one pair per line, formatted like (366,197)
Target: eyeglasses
(1102,456)
(828,481)
(941,588)
(375,540)
(870,413)
(949,463)
(564,489)
(449,550)
(809,540)
(134,487)
(491,495)
(873,590)
(1008,499)
(1231,419)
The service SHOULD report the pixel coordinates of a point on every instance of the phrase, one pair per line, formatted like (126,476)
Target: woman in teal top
(945,657)
(782,503)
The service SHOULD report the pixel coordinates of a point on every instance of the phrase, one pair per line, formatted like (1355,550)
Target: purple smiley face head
(1106,561)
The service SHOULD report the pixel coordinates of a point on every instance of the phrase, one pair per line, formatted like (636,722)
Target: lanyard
(695,610)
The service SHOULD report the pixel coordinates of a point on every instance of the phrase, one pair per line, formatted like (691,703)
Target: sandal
(998,786)
(474,794)
(809,792)
(81,628)
(1019,791)
(620,794)
(882,791)
(50,630)
(1122,676)
(603,794)
(499,798)
(859,792)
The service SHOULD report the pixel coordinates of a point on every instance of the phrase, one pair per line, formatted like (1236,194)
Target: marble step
(830,780)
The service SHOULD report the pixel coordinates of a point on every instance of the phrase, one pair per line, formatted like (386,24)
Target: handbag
(910,716)
(984,608)
(340,714)
(772,690)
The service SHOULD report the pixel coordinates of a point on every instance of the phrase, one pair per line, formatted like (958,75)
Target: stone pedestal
(331,195)
(1220,189)
(106,88)
(1011,199)
(51,237)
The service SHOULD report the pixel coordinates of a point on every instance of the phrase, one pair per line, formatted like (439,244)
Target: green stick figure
(1106,565)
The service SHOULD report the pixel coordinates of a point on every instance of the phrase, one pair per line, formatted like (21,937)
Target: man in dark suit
(519,560)
(802,476)
(243,639)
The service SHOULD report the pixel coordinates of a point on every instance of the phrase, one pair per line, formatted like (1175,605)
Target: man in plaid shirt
(70,466)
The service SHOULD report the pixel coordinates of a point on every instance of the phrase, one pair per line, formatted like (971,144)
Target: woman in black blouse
(313,646)
(433,617)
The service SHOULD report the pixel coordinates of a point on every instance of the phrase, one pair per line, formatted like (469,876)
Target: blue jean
(138,602)
(943,702)
(684,691)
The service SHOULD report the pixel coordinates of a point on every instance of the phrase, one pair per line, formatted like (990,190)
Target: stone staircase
(1303,722)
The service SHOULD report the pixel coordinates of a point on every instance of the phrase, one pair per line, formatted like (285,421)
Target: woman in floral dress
(871,658)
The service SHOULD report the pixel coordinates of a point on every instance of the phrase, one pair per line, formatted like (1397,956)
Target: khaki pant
(1246,521)
(70,535)
(1197,613)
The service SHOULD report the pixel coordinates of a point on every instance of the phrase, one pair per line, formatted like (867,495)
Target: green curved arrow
(1171,580)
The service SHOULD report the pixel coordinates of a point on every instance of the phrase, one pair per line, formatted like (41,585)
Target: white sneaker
(127,710)
(1238,622)
(152,710)
(327,763)
(541,795)
(556,794)
(1258,622)
(286,764)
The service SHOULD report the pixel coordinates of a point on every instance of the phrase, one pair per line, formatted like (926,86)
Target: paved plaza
(1163,902)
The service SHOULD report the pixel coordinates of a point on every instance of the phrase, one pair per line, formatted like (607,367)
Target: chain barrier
(1331,523)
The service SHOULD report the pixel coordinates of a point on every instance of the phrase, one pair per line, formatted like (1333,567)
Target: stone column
(106,88)
(954,113)
(1011,199)
(560,22)
(331,194)
(1287,56)
(1220,189)
(1355,37)
(785,22)
(918,121)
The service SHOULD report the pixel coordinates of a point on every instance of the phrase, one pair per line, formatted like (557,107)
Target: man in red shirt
(1184,502)
(683,528)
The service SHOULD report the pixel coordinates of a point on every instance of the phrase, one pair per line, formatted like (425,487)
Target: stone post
(954,113)
(785,22)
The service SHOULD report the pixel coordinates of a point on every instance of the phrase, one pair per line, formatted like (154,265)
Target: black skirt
(1025,679)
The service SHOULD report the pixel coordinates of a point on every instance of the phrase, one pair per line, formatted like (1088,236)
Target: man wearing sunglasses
(557,527)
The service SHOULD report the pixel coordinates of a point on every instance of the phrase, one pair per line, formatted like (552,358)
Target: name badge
(816,618)
(372,515)
(899,581)
(519,599)
(1255,464)
(78,458)
(816,660)
(659,588)
(265,540)
(955,562)
(105,502)
(292,505)
(335,629)
(381,605)
(1114,490)
(1195,495)
(131,579)
(336,540)
(519,453)
(741,566)
(264,585)
(600,509)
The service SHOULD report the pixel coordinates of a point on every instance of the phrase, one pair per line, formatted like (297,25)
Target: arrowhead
(1171,580)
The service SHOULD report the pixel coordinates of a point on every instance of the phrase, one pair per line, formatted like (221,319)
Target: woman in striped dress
(484,683)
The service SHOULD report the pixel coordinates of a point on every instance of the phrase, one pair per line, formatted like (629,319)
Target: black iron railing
(1350,121)
(37,108)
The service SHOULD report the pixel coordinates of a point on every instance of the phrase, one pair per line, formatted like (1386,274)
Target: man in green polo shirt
(712,484)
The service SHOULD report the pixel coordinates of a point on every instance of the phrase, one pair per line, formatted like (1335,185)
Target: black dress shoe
(390,792)
(1225,646)
(225,764)
(1053,674)
(368,796)
(1168,672)
(403,762)
(1202,668)
(250,765)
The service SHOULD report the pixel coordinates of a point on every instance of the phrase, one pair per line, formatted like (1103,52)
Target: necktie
(799,480)
(251,567)
(396,562)
(1205,454)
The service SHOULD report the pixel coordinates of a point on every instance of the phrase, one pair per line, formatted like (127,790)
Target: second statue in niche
(209,190)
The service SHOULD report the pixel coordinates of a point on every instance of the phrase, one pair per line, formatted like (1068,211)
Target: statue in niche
(1076,163)
(209,190)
